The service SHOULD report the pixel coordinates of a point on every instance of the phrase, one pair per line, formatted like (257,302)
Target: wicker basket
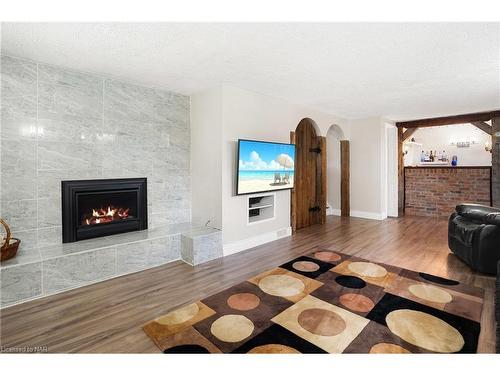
(10,246)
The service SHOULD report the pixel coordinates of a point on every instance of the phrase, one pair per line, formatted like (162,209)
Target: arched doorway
(337,172)
(309,193)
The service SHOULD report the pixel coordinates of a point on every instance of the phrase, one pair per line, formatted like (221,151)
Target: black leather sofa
(497,307)
(474,236)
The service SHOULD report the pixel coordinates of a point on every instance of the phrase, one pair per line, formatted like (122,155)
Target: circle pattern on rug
(356,302)
(386,348)
(243,301)
(327,256)
(281,285)
(232,328)
(367,269)
(179,316)
(437,279)
(273,349)
(305,266)
(430,293)
(186,349)
(425,331)
(352,282)
(321,322)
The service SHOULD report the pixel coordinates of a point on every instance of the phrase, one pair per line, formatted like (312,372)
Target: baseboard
(333,211)
(369,215)
(247,243)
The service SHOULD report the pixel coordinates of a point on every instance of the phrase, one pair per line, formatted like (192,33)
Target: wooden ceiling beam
(483,126)
(408,133)
(449,120)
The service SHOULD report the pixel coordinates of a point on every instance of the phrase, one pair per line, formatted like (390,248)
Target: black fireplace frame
(70,191)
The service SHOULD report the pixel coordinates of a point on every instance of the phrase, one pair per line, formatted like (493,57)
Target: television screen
(264,166)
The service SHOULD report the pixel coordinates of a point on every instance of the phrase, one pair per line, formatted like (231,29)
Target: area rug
(328,302)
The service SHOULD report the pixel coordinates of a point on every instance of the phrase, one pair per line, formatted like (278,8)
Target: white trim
(369,215)
(336,212)
(333,211)
(247,243)
(260,221)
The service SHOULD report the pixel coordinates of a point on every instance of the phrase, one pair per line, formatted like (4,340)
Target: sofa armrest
(478,213)
(497,302)
(497,306)
(493,218)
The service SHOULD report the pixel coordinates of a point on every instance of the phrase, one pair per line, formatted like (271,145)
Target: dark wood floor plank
(108,317)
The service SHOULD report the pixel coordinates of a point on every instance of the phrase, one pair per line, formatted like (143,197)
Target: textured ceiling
(353,70)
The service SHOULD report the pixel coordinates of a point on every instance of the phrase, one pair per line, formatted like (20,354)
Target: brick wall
(436,191)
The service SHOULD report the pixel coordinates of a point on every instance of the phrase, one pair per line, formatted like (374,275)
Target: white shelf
(260,206)
(410,143)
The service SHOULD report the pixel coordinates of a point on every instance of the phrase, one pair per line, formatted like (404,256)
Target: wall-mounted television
(264,166)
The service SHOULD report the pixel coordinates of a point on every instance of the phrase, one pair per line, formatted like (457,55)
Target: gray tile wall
(20,283)
(59,124)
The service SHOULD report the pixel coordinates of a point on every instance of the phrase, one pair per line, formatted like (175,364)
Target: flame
(106,215)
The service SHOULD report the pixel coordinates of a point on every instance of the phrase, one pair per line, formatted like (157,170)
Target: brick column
(495,162)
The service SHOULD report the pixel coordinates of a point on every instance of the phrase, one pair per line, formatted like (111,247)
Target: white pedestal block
(201,245)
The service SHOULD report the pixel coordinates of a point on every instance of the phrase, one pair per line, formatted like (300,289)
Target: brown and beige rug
(327,302)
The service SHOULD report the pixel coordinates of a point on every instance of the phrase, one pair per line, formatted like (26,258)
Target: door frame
(344,182)
(345,192)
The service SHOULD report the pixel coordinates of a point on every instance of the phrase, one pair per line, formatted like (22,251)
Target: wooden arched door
(309,193)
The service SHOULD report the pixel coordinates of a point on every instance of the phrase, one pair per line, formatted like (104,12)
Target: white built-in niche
(261,208)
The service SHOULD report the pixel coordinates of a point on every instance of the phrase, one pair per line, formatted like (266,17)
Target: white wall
(206,157)
(333,138)
(438,139)
(392,168)
(254,116)
(219,118)
(368,168)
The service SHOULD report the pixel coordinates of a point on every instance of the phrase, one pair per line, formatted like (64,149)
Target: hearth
(96,208)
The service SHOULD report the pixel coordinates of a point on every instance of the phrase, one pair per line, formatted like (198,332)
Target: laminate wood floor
(108,317)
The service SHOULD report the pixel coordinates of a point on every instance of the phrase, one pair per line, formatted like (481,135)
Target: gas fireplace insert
(95,208)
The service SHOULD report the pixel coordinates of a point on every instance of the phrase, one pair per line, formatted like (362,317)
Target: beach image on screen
(265,166)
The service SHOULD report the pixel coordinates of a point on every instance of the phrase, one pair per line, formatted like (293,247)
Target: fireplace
(96,208)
